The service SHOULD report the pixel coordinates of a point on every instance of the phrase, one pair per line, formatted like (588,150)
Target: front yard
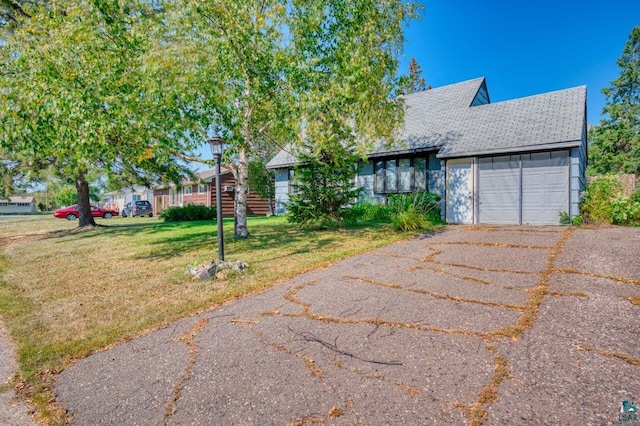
(65,294)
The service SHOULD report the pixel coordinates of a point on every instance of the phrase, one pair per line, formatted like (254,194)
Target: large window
(379,178)
(188,190)
(391,176)
(404,175)
(420,174)
(400,175)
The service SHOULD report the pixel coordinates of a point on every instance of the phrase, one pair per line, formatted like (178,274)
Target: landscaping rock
(218,270)
(203,272)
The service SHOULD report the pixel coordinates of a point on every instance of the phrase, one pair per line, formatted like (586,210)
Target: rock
(218,270)
(203,272)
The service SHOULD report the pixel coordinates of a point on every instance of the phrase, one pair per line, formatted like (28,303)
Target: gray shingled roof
(550,120)
(442,119)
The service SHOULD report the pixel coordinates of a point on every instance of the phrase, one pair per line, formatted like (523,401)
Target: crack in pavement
(187,338)
(435,295)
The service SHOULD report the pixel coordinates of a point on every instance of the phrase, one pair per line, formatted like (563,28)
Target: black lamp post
(217,146)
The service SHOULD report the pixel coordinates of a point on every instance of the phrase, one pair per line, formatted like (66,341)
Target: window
(292,183)
(135,197)
(420,174)
(202,188)
(391,176)
(404,175)
(400,175)
(188,190)
(379,178)
(172,197)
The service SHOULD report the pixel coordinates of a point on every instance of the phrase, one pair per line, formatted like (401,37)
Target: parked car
(138,208)
(126,211)
(71,212)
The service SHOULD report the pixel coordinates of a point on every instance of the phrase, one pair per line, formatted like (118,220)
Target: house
(18,204)
(203,191)
(520,161)
(118,199)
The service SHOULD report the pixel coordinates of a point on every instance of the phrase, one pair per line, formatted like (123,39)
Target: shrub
(324,187)
(577,220)
(603,202)
(565,219)
(625,211)
(422,202)
(366,211)
(597,200)
(188,213)
(410,221)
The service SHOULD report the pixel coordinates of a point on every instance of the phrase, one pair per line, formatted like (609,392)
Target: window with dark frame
(292,183)
(400,175)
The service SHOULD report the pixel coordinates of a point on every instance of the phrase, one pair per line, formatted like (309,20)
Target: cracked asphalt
(471,325)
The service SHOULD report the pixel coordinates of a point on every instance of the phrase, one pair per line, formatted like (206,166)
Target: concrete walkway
(12,411)
(472,325)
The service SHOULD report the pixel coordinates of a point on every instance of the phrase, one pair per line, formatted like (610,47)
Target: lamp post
(217,146)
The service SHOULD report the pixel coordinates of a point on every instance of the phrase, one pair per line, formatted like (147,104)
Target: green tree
(416,82)
(262,181)
(615,142)
(75,96)
(284,72)
(323,186)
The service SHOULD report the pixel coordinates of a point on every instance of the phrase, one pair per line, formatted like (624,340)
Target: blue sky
(522,47)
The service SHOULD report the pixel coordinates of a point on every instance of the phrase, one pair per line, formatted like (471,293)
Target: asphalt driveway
(474,324)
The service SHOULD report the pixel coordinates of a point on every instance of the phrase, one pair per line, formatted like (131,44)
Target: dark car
(138,208)
(71,212)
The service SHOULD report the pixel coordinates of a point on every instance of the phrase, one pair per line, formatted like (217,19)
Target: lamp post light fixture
(217,147)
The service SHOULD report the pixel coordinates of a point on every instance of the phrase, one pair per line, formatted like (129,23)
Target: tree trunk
(84,205)
(242,189)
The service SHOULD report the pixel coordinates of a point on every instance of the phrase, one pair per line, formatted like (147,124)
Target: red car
(71,212)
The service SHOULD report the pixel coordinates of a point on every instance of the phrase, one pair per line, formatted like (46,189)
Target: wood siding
(256,206)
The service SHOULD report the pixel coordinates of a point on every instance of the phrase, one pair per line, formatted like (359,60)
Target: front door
(459,191)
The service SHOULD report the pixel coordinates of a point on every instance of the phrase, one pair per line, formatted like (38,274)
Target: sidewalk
(12,411)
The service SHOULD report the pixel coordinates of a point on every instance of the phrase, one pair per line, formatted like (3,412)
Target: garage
(528,189)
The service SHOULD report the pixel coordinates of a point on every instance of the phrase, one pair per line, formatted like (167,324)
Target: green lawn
(65,293)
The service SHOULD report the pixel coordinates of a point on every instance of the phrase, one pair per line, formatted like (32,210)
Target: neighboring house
(118,199)
(515,162)
(18,204)
(203,191)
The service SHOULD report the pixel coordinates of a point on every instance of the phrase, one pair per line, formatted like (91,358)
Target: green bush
(188,213)
(366,211)
(577,220)
(603,202)
(565,219)
(410,221)
(422,202)
(626,212)
(406,212)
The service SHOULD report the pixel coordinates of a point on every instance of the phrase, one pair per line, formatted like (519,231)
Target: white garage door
(537,196)
(499,190)
(545,187)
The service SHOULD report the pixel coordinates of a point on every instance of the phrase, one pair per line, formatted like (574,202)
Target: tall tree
(74,93)
(284,72)
(615,142)
(416,82)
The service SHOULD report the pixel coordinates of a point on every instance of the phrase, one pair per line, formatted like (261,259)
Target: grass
(66,293)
